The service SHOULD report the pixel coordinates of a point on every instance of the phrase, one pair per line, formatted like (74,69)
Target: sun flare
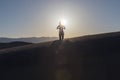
(63,21)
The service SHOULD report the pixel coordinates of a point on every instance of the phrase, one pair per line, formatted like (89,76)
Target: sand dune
(92,57)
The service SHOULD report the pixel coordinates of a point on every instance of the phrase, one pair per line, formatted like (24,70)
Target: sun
(63,21)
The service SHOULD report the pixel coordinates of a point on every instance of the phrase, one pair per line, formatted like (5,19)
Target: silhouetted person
(61,31)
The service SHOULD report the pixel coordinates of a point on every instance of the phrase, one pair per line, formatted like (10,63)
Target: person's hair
(60,22)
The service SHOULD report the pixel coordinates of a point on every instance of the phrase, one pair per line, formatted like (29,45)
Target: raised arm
(57,27)
(64,27)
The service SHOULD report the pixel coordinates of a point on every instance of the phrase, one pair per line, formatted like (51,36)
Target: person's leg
(62,36)
(59,36)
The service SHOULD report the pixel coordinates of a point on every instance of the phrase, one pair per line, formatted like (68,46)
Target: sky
(39,18)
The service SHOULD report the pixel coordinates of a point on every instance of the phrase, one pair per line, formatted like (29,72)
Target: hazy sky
(36,18)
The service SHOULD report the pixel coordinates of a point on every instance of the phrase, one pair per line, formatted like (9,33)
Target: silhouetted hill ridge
(13,44)
(28,39)
(91,57)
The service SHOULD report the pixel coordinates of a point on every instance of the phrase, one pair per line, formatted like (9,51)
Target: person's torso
(61,28)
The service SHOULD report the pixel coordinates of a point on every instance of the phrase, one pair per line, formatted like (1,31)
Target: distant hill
(13,44)
(91,57)
(29,39)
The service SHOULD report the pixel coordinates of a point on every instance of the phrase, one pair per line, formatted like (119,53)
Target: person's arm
(64,27)
(57,27)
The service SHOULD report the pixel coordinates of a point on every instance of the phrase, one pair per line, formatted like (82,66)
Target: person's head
(59,22)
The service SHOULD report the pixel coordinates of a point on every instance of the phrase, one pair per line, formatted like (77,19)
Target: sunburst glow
(63,21)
